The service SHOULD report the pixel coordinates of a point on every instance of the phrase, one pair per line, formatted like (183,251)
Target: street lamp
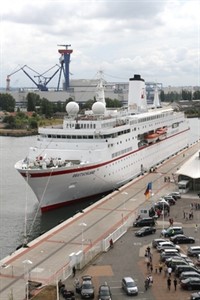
(26,263)
(124,200)
(163,214)
(82,228)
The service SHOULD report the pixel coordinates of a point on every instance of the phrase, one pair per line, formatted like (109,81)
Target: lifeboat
(152,137)
(162,133)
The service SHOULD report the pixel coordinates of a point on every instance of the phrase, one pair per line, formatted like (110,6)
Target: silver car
(129,286)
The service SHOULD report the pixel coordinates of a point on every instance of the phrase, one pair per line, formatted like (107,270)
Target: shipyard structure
(79,90)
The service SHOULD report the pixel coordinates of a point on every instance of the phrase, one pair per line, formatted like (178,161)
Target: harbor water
(20,215)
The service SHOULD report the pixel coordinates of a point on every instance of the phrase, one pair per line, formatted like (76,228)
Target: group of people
(167,179)
(169,281)
(148,281)
(159,269)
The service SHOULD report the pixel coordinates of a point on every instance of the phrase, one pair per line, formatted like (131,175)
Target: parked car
(175,194)
(188,274)
(104,292)
(182,239)
(87,287)
(160,205)
(172,261)
(171,231)
(145,231)
(170,200)
(181,257)
(167,245)
(195,296)
(184,268)
(166,254)
(155,242)
(193,251)
(144,222)
(129,286)
(191,283)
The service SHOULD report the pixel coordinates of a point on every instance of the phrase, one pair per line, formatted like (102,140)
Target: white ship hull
(104,160)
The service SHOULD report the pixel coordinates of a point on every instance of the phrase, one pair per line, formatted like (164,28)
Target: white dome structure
(98,108)
(72,108)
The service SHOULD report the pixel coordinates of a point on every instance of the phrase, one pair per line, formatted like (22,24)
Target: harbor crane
(43,80)
(64,64)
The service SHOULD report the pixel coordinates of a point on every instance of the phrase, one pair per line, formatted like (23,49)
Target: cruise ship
(102,149)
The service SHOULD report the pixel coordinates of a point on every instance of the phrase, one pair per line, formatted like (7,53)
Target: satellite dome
(98,108)
(72,108)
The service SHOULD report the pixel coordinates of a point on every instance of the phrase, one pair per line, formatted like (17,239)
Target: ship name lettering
(84,174)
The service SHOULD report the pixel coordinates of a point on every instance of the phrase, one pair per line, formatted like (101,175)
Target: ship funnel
(137,94)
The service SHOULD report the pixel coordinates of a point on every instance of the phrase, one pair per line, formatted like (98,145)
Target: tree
(114,103)
(7,102)
(33,100)
(46,108)
(186,95)
(196,95)
(10,121)
(33,123)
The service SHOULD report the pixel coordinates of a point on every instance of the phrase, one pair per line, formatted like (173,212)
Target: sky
(160,40)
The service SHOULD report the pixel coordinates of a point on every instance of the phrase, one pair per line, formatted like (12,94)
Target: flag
(148,190)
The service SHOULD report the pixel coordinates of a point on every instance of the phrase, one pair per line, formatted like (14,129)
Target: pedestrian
(150,279)
(77,285)
(146,283)
(148,265)
(175,283)
(196,228)
(74,271)
(169,283)
(169,270)
(160,267)
(111,243)
(60,284)
(156,269)
(151,268)
(148,250)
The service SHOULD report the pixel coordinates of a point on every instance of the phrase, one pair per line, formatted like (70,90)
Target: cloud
(155,38)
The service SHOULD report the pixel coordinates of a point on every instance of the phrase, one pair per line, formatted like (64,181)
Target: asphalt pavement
(127,259)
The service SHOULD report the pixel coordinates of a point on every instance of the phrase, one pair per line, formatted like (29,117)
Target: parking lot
(127,259)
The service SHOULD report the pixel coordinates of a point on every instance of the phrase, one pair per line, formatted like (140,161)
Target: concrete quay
(82,237)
